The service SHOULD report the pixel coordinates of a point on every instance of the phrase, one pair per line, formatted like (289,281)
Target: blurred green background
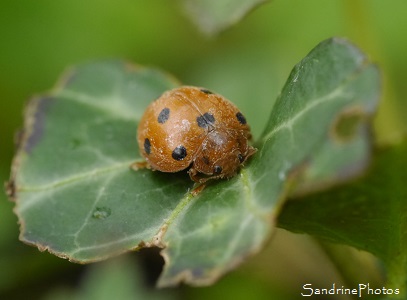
(248,64)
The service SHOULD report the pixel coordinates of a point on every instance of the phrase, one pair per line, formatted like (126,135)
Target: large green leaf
(234,217)
(77,197)
(369,214)
(76,194)
(213,16)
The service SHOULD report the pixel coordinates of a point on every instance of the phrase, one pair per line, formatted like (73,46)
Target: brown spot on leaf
(28,137)
(345,126)
(35,122)
(10,189)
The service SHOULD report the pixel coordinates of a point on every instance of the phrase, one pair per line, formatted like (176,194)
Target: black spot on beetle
(147,146)
(217,170)
(208,92)
(241,118)
(205,120)
(179,153)
(164,115)
(240,157)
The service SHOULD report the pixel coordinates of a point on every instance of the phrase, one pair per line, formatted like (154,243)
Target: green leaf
(349,143)
(77,197)
(369,214)
(76,194)
(213,16)
(221,226)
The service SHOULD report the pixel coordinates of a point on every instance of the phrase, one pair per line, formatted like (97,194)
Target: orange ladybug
(190,127)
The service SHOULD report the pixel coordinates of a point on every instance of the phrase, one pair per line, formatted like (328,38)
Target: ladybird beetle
(190,127)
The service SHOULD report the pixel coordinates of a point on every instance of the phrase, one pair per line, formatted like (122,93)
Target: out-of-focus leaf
(369,214)
(212,16)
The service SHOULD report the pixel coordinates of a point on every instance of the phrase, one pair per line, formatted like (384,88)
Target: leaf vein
(288,124)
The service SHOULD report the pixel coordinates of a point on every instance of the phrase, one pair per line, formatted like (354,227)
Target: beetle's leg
(140,165)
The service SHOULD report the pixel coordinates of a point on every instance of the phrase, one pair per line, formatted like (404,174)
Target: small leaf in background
(212,16)
(369,214)
(77,197)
